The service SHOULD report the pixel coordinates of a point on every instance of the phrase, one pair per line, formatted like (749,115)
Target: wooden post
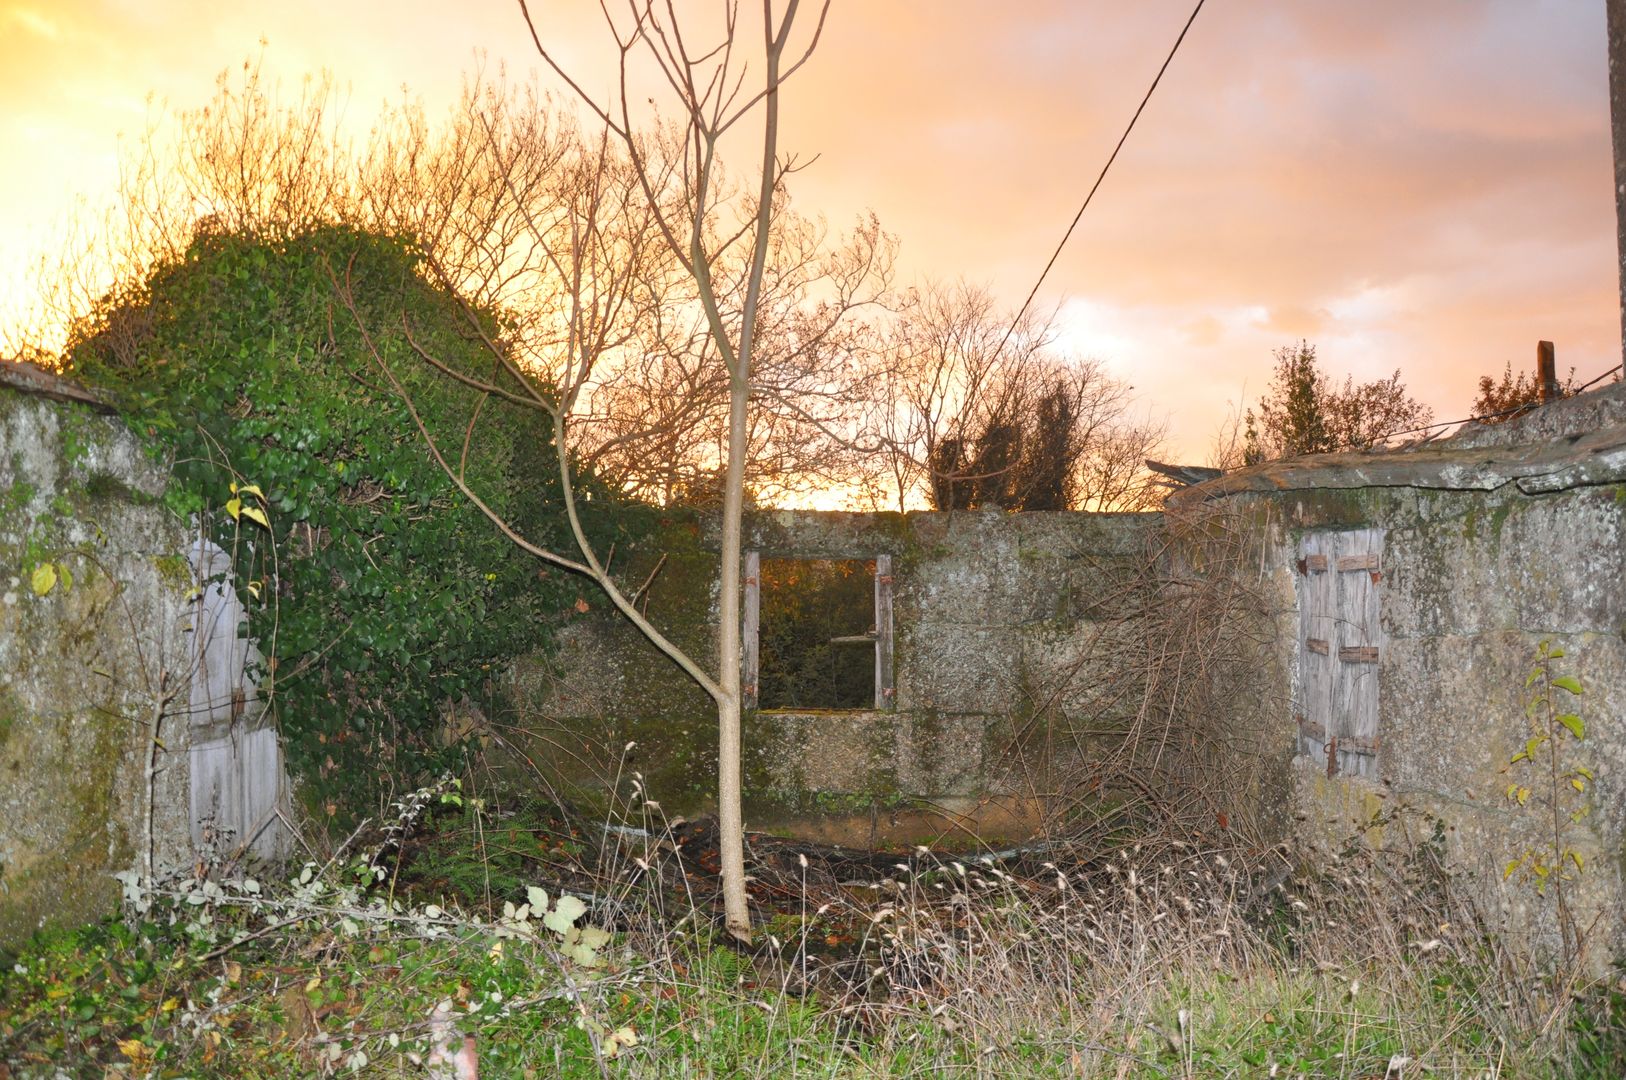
(885,689)
(1546,372)
(751,622)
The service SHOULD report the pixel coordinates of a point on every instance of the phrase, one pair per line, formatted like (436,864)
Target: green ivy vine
(379,595)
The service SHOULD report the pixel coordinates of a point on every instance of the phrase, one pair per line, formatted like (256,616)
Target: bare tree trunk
(730,817)
(711,110)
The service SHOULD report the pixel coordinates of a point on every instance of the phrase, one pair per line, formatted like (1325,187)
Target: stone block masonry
(987,611)
(1395,605)
(1484,546)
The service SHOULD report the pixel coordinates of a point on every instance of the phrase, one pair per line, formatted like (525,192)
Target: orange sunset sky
(1421,185)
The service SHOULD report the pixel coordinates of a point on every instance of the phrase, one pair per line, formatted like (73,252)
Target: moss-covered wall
(1473,581)
(987,607)
(80,663)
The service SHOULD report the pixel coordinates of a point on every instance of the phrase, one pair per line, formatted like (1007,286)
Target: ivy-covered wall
(267,371)
(266,427)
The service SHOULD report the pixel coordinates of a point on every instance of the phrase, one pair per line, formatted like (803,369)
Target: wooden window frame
(751,624)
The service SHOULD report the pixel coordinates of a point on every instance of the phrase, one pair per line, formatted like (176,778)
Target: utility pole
(1616,17)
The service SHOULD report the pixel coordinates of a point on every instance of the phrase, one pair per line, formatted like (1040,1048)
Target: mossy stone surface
(79,664)
(979,598)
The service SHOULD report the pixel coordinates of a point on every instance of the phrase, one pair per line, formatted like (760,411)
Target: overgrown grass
(1149,961)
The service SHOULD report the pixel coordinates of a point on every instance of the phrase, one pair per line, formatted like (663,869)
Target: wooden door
(1340,648)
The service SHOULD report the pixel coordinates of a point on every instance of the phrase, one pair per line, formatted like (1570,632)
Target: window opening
(818,633)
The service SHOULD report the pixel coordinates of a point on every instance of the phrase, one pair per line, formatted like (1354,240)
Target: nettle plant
(1546,771)
(350,901)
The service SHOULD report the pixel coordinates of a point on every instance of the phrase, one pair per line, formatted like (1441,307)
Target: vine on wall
(376,593)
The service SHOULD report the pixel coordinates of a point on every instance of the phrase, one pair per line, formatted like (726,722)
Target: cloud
(1203,331)
(1425,186)
(1296,321)
(35,23)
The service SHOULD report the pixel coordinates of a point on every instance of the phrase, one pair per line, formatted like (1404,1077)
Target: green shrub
(382,594)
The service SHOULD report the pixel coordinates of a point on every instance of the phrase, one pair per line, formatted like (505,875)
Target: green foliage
(1599,1026)
(509,851)
(385,593)
(219,981)
(311,999)
(1290,418)
(332,974)
(805,604)
(44,557)
(1304,413)
(1563,782)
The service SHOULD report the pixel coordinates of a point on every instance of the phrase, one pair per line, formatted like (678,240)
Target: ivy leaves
(46,575)
(237,510)
(380,591)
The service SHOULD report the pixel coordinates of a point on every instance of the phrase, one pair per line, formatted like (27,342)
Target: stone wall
(1491,543)
(89,664)
(990,612)
(1478,549)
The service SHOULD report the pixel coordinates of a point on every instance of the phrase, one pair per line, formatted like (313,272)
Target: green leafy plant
(378,595)
(46,575)
(330,973)
(237,509)
(1547,761)
(194,980)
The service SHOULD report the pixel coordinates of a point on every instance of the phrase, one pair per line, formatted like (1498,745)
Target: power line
(1599,379)
(1102,176)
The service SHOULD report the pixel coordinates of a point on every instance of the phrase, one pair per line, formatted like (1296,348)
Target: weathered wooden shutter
(1317,604)
(1340,648)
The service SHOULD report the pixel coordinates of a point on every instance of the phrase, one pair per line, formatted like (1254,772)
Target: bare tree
(973,412)
(474,188)
(656,419)
(485,196)
(604,244)
(602,252)
(946,376)
(479,188)
(1225,445)
(1111,468)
